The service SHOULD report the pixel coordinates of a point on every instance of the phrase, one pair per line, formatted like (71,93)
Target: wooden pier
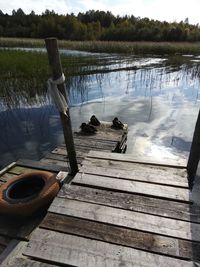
(117,211)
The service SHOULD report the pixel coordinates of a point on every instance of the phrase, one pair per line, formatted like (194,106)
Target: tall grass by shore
(159,48)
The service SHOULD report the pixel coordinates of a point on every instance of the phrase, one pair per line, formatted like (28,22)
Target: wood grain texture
(25,262)
(78,251)
(38,165)
(149,205)
(125,218)
(63,165)
(179,163)
(14,248)
(156,190)
(122,236)
(166,176)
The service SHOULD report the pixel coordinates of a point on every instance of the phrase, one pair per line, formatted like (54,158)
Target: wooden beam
(194,153)
(55,64)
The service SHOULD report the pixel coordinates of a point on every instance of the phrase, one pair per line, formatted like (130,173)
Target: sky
(169,10)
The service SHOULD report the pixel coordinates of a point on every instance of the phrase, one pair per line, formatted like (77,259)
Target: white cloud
(39,6)
(157,9)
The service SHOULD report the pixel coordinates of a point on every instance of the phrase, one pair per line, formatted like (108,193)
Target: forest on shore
(95,25)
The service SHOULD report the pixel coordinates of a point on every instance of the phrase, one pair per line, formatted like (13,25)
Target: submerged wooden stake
(194,153)
(56,67)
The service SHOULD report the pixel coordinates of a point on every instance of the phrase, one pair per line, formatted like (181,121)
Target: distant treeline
(95,25)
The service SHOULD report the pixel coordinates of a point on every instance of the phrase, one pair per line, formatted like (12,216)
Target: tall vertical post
(56,67)
(194,156)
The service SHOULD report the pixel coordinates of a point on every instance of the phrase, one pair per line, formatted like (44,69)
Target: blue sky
(170,10)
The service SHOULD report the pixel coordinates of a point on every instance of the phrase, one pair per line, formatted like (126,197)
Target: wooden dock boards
(106,139)
(15,228)
(78,251)
(95,222)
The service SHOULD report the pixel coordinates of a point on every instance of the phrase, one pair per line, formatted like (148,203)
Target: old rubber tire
(27,193)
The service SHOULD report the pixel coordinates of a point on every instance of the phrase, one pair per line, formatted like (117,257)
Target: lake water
(157,96)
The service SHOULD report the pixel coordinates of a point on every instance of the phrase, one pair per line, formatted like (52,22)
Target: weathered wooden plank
(156,190)
(108,135)
(14,248)
(39,165)
(85,142)
(60,157)
(19,170)
(61,164)
(6,176)
(62,151)
(179,163)
(81,136)
(25,262)
(126,218)
(89,140)
(122,236)
(145,173)
(78,251)
(156,206)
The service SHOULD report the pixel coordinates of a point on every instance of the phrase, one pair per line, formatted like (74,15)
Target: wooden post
(56,67)
(194,153)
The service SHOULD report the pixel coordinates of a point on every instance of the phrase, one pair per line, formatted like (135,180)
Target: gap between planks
(130,186)
(128,201)
(144,173)
(179,163)
(126,218)
(78,251)
(122,236)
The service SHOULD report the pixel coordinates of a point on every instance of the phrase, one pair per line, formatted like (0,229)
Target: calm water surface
(157,96)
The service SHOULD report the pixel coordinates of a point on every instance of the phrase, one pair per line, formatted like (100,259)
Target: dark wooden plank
(59,157)
(140,172)
(19,228)
(62,151)
(63,165)
(122,236)
(78,251)
(138,187)
(179,163)
(126,218)
(155,206)
(39,165)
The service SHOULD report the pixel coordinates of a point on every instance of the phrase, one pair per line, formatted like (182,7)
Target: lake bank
(159,48)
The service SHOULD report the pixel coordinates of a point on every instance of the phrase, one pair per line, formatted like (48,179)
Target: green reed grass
(111,47)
